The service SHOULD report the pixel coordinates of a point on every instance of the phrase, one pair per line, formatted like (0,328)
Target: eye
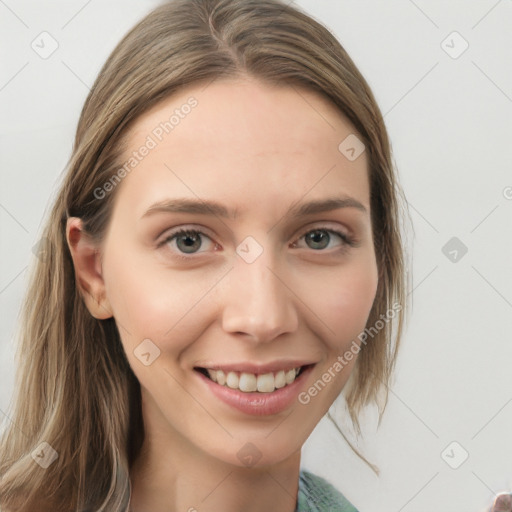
(186,241)
(320,238)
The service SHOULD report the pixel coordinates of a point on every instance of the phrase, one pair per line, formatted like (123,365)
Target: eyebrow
(203,207)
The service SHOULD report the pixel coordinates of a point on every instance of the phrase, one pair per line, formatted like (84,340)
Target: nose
(258,302)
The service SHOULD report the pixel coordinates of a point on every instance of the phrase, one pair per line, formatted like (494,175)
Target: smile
(256,390)
(250,382)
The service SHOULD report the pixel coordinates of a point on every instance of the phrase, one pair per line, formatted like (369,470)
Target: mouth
(250,382)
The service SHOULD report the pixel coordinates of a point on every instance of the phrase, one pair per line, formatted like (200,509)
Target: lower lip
(258,404)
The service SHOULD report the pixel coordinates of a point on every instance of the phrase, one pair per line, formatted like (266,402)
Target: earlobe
(88,271)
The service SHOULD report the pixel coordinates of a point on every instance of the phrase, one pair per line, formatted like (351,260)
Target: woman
(223,254)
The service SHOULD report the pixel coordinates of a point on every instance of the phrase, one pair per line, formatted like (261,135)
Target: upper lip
(255,368)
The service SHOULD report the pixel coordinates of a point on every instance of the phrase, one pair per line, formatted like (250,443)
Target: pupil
(191,243)
(320,239)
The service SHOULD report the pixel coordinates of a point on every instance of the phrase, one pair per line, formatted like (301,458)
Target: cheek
(149,303)
(346,302)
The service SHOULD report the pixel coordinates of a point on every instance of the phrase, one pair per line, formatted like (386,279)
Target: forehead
(242,137)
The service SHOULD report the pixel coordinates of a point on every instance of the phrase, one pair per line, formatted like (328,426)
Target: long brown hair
(74,388)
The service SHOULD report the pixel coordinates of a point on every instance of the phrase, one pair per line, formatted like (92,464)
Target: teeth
(221,376)
(290,376)
(280,379)
(249,382)
(265,383)
(232,380)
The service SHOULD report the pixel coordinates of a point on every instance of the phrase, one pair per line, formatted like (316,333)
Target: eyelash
(347,240)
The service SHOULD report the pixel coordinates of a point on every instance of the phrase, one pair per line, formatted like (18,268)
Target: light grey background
(450,123)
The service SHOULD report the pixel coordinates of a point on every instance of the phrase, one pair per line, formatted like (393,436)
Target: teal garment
(318,495)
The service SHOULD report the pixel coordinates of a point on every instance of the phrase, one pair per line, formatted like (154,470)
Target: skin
(502,503)
(260,150)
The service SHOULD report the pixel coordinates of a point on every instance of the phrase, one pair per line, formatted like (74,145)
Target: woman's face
(276,270)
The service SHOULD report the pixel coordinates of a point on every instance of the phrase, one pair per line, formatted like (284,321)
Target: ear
(88,272)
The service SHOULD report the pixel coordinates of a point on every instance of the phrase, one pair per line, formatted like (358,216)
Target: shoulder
(317,495)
